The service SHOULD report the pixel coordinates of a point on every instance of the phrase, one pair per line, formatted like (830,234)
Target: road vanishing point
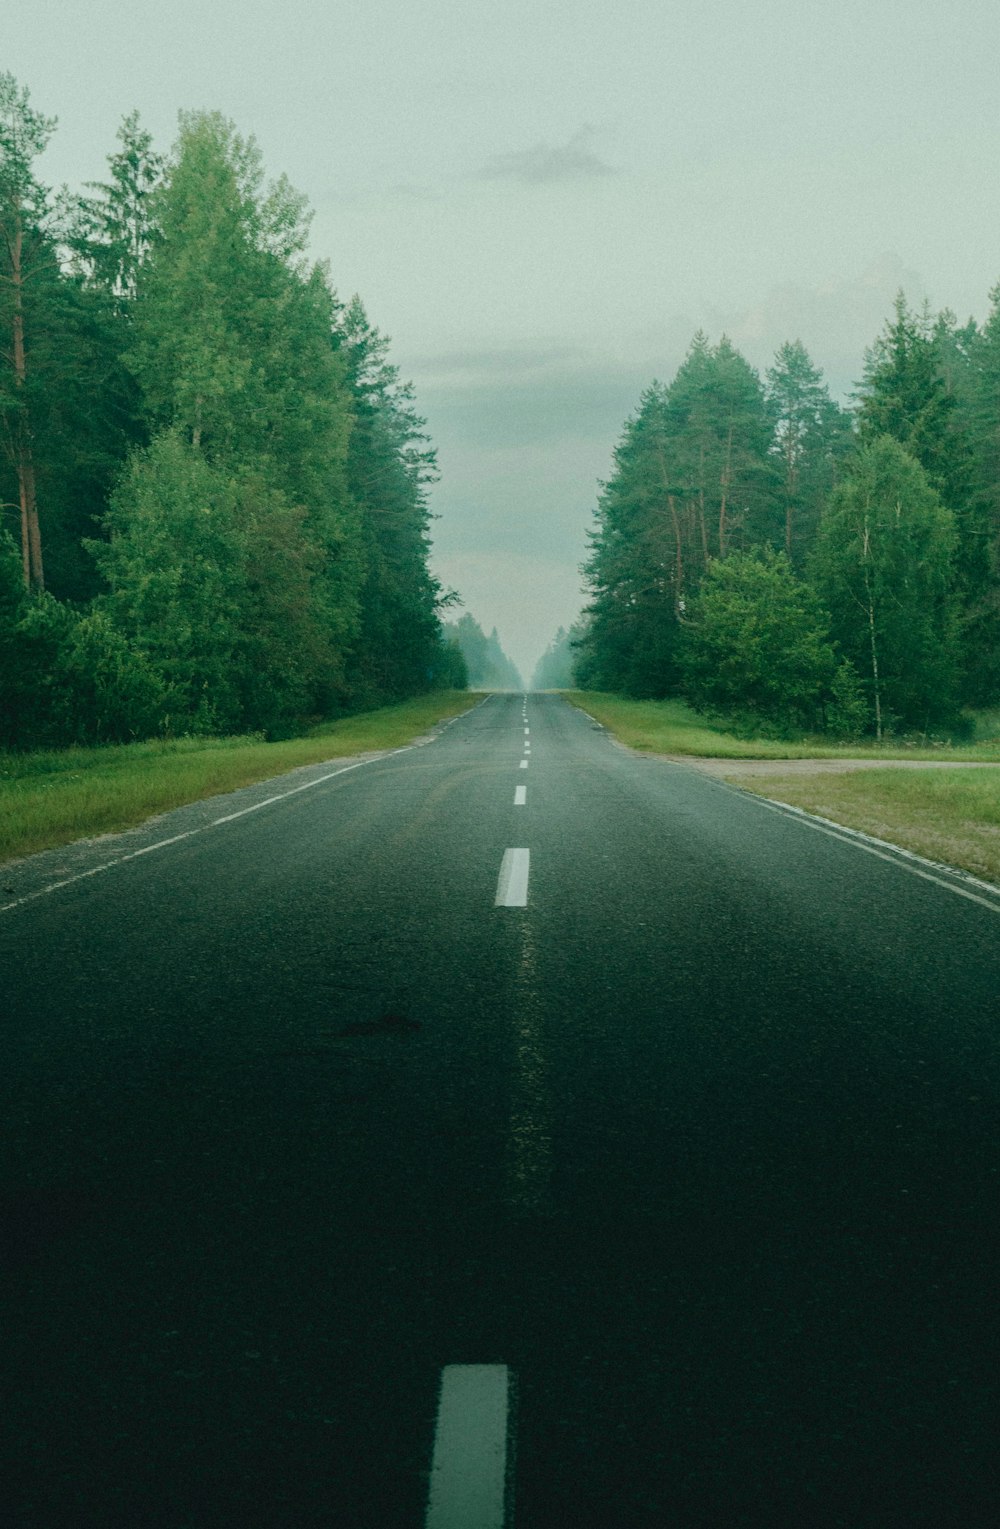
(505,1130)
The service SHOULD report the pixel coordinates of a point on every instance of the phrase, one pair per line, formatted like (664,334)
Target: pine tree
(389,468)
(26,253)
(916,390)
(115,229)
(810,433)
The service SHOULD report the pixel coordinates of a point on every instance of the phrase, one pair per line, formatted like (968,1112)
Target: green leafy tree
(235,352)
(174,564)
(883,568)
(210,579)
(67,676)
(756,642)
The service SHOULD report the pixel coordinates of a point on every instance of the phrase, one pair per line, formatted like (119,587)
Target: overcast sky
(540,202)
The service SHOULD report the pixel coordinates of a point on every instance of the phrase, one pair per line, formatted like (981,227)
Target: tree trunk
(727,474)
(871,634)
(31,539)
(678,549)
(701,508)
(791,487)
(679,564)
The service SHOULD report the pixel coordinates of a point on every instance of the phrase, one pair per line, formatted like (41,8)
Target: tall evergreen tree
(916,390)
(640,560)
(389,468)
(977,390)
(27,254)
(811,432)
(116,228)
(721,434)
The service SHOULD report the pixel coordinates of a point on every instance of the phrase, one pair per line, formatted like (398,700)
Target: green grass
(671,727)
(952,816)
(51,798)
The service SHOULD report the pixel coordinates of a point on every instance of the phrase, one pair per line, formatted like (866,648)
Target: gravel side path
(733,767)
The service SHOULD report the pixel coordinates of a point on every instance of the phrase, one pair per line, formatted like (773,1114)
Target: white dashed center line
(524,764)
(469,1471)
(520,795)
(512,883)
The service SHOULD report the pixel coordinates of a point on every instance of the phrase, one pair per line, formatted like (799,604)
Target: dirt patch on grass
(951,816)
(731,768)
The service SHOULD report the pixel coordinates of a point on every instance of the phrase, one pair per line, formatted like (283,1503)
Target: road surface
(653,1170)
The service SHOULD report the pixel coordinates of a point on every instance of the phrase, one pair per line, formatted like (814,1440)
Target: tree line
(480,660)
(769,553)
(213,480)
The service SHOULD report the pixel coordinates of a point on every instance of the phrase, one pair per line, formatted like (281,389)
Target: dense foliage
(215,477)
(768,553)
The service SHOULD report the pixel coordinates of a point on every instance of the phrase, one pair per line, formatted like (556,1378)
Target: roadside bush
(65,677)
(755,643)
(848,714)
(112,694)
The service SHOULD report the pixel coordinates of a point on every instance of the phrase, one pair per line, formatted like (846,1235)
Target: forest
(487,666)
(213,482)
(790,563)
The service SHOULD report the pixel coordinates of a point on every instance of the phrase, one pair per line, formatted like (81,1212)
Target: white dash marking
(468,1487)
(520,795)
(527,730)
(524,764)
(512,883)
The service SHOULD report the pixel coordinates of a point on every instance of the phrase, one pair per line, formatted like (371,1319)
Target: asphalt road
(701,1143)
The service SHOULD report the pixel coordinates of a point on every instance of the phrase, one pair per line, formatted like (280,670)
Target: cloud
(836,320)
(485,366)
(526,597)
(415,192)
(546,163)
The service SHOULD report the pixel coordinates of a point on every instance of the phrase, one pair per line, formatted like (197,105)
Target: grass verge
(952,816)
(52,798)
(671,727)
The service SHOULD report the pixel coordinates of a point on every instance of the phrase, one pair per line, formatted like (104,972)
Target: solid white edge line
(148,849)
(470,1472)
(858,840)
(512,883)
(520,796)
(232,816)
(96,870)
